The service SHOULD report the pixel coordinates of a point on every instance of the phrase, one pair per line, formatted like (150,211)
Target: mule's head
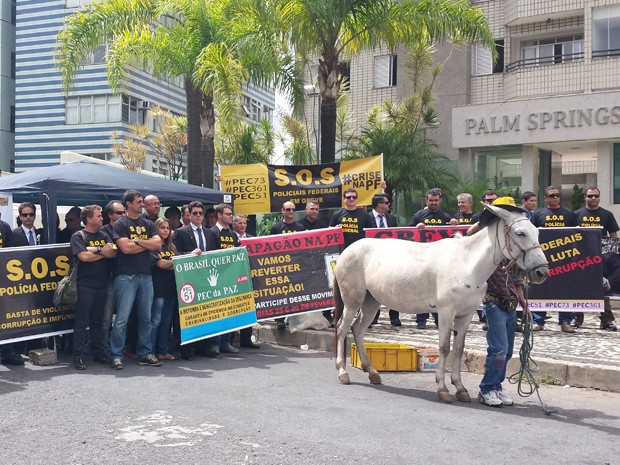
(518,238)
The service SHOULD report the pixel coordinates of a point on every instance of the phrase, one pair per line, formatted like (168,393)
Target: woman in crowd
(164,295)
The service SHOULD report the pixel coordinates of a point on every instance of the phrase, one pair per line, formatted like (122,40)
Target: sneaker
(485,327)
(104,359)
(505,399)
(519,328)
(79,364)
(149,360)
(609,326)
(421,325)
(537,327)
(490,399)
(229,349)
(281,324)
(117,364)
(565,327)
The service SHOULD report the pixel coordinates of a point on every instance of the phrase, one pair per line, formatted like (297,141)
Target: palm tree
(335,30)
(193,39)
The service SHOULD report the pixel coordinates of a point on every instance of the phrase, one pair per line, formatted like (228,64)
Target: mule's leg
(445,330)
(360,325)
(343,328)
(461,323)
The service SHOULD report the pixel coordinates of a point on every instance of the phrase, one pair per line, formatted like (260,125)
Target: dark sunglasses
(27,214)
(593,196)
(350,197)
(385,201)
(197,213)
(554,196)
(120,212)
(289,209)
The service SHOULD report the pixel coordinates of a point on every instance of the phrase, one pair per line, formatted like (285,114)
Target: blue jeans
(129,290)
(161,315)
(500,341)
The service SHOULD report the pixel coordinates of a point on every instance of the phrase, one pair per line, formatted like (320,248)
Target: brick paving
(588,344)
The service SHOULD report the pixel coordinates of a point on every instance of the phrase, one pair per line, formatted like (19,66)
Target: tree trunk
(328,130)
(329,87)
(207,141)
(194,156)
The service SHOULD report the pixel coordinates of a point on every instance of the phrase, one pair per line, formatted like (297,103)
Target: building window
(13,12)
(87,109)
(482,59)
(252,108)
(385,71)
(13,63)
(12,119)
(78,3)
(502,164)
(134,110)
(606,31)
(549,51)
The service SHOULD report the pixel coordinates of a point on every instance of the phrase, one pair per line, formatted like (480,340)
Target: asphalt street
(285,406)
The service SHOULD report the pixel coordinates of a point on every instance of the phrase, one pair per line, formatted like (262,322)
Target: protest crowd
(127,304)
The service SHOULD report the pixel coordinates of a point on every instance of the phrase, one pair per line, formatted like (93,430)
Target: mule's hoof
(375,378)
(344,378)
(463,396)
(444,396)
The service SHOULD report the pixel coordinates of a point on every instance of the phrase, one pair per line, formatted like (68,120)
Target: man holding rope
(504,292)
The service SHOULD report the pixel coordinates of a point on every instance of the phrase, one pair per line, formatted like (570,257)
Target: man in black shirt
(135,238)
(553,215)
(73,219)
(432,215)
(351,218)
(92,249)
(592,215)
(288,223)
(152,206)
(312,220)
(465,203)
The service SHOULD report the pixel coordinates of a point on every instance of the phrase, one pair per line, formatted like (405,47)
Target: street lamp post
(313,91)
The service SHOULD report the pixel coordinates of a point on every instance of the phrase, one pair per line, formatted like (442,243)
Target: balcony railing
(540,61)
(606,53)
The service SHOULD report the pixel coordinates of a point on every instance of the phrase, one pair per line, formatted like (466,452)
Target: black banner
(28,278)
(611,263)
(290,272)
(575,282)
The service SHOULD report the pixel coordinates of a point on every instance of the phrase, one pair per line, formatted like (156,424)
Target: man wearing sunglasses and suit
(594,216)
(553,215)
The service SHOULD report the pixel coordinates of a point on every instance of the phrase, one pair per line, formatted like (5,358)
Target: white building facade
(548,111)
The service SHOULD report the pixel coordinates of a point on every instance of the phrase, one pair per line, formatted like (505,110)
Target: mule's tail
(338,310)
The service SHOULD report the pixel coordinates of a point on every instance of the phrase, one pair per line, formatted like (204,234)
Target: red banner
(417,235)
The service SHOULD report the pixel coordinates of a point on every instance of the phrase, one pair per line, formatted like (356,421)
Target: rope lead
(524,375)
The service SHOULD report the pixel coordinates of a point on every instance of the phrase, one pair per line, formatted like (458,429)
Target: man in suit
(240,225)
(196,239)
(25,234)
(380,217)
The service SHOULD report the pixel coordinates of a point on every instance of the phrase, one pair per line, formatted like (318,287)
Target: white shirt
(377,216)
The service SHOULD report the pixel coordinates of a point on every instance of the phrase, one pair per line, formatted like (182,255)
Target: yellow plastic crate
(387,357)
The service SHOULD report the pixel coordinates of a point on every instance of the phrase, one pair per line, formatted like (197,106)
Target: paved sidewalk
(589,358)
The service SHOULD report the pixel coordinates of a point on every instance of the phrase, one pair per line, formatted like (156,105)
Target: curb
(584,375)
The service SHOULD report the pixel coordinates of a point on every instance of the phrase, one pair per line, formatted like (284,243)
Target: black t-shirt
(164,284)
(597,218)
(90,274)
(225,239)
(309,226)
(285,228)
(429,218)
(353,223)
(556,218)
(466,218)
(139,263)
